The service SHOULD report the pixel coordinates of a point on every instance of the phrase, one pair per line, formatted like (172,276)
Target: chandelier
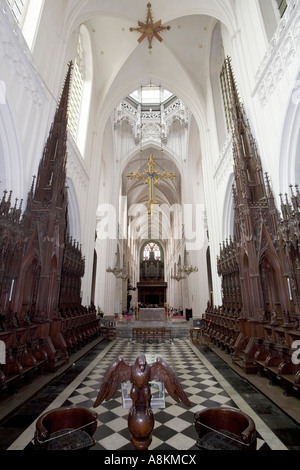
(184,272)
(150,29)
(120,273)
(189,269)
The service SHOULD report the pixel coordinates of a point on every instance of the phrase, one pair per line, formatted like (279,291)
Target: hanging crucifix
(151,177)
(150,29)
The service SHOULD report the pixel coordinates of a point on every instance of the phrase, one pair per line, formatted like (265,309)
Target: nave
(207,380)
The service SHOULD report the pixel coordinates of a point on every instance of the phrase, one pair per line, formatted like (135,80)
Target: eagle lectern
(140,374)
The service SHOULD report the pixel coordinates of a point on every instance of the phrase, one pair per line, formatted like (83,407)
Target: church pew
(109,332)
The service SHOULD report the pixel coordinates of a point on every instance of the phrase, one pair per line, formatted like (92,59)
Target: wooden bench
(195,332)
(151,335)
(109,332)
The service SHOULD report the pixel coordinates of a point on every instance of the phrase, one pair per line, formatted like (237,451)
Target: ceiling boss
(150,29)
(151,177)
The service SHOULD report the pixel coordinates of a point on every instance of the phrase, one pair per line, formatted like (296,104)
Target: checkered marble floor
(174,428)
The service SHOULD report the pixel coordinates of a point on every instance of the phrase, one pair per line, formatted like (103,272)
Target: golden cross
(150,29)
(151,176)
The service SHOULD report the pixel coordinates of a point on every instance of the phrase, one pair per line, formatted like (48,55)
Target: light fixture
(120,273)
(189,269)
(184,272)
(178,277)
(149,29)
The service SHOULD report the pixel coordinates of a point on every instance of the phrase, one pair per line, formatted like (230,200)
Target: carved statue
(140,374)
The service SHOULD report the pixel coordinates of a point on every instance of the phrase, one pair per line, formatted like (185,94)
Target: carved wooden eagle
(140,373)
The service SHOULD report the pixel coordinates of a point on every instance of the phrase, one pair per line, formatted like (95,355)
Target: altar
(152,314)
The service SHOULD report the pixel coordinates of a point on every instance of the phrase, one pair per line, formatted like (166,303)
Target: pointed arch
(73,225)
(29,275)
(53,280)
(228,209)
(274,291)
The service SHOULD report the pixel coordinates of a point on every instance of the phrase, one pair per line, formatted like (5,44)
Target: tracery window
(154,248)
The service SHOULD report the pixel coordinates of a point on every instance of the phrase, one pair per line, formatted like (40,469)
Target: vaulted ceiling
(179,63)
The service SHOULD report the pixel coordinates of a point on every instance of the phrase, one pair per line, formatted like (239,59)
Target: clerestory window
(80,97)
(18,8)
(282,6)
(27,14)
(76,96)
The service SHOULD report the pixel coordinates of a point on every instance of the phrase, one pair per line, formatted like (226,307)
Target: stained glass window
(154,248)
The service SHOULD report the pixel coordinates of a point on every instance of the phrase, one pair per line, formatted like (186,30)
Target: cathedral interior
(149,169)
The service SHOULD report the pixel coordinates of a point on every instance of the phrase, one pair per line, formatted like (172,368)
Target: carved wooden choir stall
(258,322)
(42,321)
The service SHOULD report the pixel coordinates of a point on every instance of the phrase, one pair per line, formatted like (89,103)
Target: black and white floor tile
(174,425)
